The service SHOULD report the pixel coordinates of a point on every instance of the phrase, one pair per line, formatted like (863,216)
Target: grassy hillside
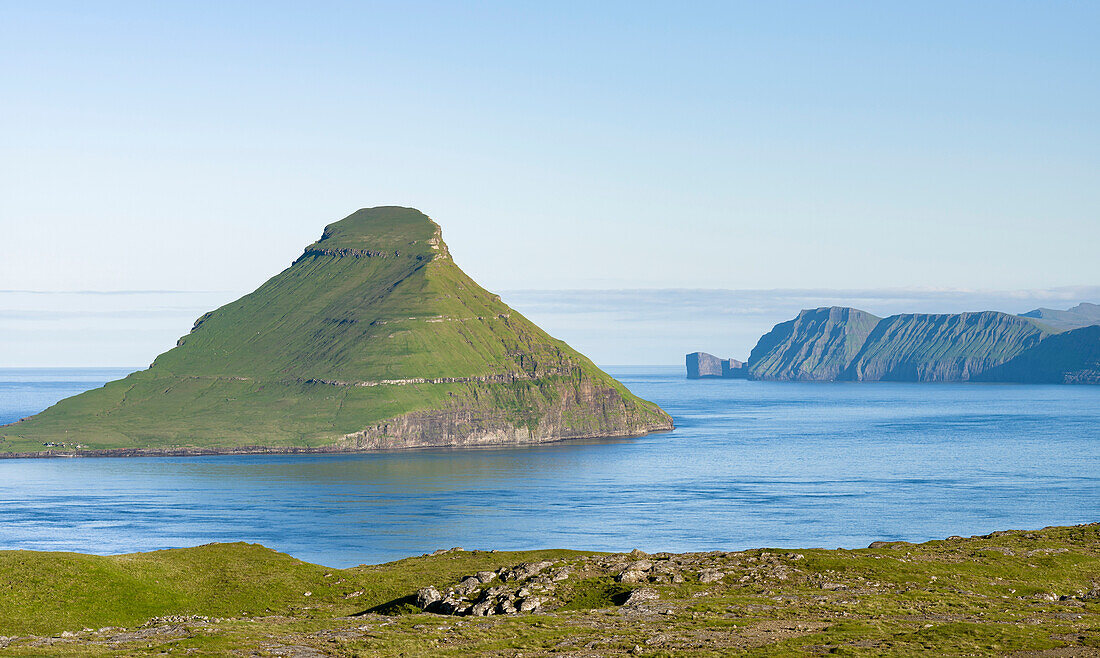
(1082,315)
(991,595)
(373,333)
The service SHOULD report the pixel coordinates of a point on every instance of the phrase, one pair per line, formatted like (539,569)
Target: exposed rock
(701,364)
(631,576)
(640,596)
(709,575)
(468,586)
(485,576)
(483,608)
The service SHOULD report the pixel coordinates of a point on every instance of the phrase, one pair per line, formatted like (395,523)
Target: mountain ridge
(847,344)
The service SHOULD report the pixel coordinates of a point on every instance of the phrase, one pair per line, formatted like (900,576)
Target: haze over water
(750,464)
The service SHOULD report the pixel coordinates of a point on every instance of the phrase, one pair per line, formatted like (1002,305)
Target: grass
(278,366)
(992,595)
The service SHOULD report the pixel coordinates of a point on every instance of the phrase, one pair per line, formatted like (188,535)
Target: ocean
(750,464)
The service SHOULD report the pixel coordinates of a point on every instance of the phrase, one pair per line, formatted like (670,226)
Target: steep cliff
(373,338)
(816,346)
(846,344)
(701,364)
(941,348)
(1072,357)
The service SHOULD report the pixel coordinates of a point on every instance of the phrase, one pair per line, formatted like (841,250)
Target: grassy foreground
(1014,592)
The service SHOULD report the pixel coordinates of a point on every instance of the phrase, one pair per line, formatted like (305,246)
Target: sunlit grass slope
(373,322)
(994,595)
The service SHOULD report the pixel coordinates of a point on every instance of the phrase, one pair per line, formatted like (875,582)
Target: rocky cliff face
(940,348)
(373,338)
(1072,357)
(734,369)
(560,411)
(844,344)
(701,364)
(816,346)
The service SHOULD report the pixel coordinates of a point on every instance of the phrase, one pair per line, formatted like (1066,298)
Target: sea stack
(701,365)
(372,339)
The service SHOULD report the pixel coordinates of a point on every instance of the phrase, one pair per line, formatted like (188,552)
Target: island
(847,344)
(372,339)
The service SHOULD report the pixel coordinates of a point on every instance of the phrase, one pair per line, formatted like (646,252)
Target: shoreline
(121,453)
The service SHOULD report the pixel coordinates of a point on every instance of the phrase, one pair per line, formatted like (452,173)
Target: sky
(186,152)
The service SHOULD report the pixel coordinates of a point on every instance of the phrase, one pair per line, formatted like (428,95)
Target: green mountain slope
(816,346)
(941,348)
(1072,357)
(1082,315)
(373,338)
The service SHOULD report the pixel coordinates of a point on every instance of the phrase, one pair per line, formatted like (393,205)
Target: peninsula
(372,339)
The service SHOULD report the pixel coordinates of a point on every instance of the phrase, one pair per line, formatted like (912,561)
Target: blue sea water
(750,464)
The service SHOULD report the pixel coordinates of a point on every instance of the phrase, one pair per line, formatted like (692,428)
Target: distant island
(372,339)
(847,344)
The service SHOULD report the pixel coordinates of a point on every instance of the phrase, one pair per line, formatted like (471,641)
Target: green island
(1011,592)
(372,339)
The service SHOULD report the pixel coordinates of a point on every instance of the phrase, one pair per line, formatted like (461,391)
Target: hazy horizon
(856,153)
(612,327)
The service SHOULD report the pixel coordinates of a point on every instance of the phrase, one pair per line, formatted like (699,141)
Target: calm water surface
(750,464)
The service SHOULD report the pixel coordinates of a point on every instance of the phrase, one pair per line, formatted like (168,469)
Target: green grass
(599,592)
(47,593)
(978,596)
(275,367)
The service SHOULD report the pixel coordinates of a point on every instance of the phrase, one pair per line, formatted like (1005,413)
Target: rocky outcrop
(734,369)
(701,364)
(628,580)
(815,346)
(555,412)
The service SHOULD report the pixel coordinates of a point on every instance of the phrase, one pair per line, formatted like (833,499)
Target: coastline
(118,453)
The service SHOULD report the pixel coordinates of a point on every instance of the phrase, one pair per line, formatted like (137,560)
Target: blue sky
(738,146)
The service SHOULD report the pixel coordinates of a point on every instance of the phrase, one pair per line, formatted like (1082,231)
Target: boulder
(639,596)
(710,575)
(426,596)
